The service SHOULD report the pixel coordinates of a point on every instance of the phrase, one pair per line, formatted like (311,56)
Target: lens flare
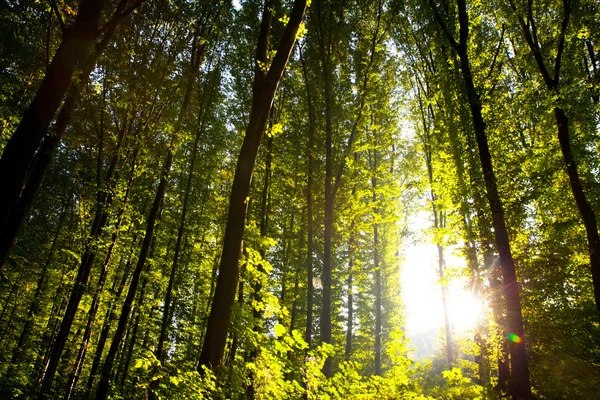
(514,338)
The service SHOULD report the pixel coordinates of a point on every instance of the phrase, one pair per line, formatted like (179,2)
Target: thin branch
(63,28)
(120,14)
(442,25)
(561,41)
(497,52)
(533,45)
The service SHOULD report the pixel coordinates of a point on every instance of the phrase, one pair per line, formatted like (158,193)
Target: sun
(423,298)
(466,309)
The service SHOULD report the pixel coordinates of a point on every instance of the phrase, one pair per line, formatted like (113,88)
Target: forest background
(207,199)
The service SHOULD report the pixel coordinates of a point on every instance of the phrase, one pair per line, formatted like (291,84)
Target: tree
(264,88)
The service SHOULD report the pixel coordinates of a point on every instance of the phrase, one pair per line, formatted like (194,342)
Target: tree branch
(561,40)
(442,25)
(63,28)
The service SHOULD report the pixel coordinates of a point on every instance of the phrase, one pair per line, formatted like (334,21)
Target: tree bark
(519,385)
(34,309)
(74,377)
(108,319)
(588,215)
(104,200)
(103,386)
(264,88)
(309,208)
(376,266)
(29,151)
(195,63)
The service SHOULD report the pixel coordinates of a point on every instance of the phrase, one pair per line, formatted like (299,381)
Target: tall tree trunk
(309,208)
(103,386)
(21,148)
(438,223)
(257,295)
(74,377)
(197,57)
(376,265)
(198,48)
(588,215)
(497,313)
(104,200)
(30,180)
(35,308)
(109,318)
(519,385)
(264,88)
(350,324)
(134,329)
(328,212)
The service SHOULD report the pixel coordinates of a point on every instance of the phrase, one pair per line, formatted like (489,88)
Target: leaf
(279,330)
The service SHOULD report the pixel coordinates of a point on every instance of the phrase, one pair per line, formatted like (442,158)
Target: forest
(220,199)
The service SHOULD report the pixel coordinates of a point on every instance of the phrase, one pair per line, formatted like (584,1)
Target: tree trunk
(103,386)
(74,378)
(438,223)
(108,319)
(264,89)
(376,267)
(264,218)
(104,200)
(309,208)
(588,215)
(21,148)
(35,308)
(349,331)
(32,180)
(195,63)
(519,385)
(587,212)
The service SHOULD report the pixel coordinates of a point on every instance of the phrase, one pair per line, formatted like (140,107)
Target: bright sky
(421,290)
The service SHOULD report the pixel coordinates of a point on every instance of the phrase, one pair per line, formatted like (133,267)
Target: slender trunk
(439,223)
(377,268)
(257,295)
(497,313)
(327,219)
(287,249)
(74,377)
(11,317)
(264,89)
(294,315)
(519,384)
(103,386)
(350,327)
(59,303)
(108,319)
(104,200)
(350,307)
(195,62)
(43,158)
(234,339)
(35,308)
(13,291)
(309,209)
(588,215)
(134,330)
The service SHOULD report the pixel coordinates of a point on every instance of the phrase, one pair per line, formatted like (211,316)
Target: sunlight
(465,309)
(422,293)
